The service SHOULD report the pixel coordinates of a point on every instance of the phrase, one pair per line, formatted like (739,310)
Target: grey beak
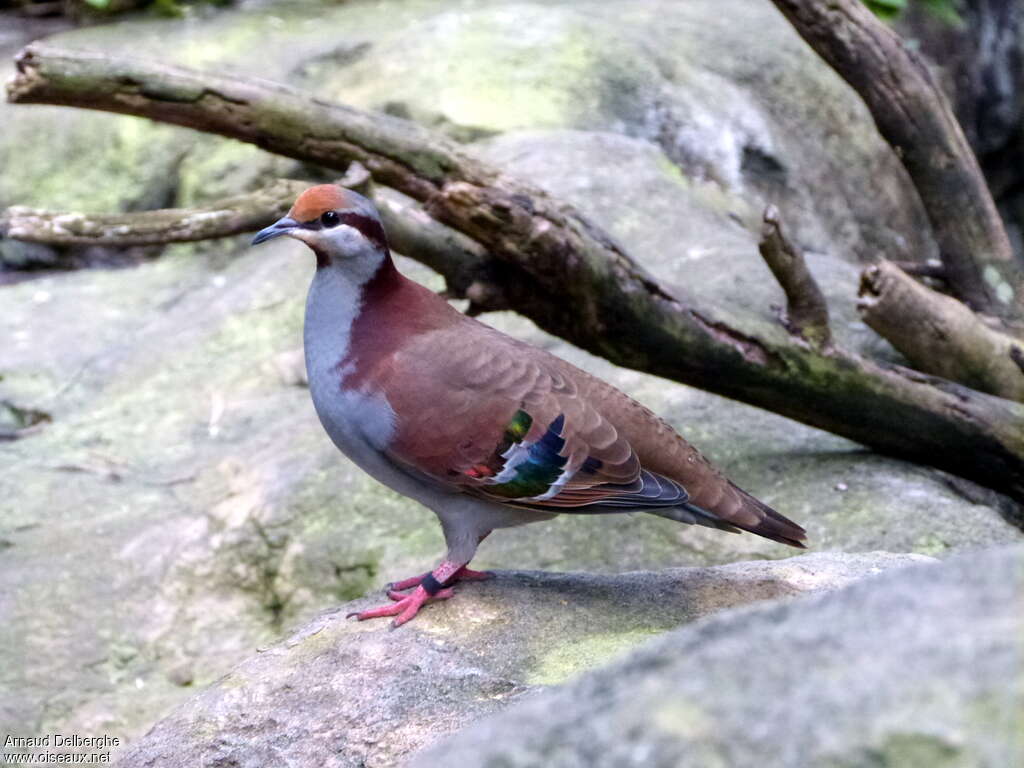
(280,227)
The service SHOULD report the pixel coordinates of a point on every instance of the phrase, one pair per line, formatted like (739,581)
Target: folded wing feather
(508,422)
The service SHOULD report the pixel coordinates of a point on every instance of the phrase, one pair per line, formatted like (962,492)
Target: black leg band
(431,585)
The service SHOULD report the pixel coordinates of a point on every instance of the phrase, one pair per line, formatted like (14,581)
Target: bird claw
(404,607)
(444,594)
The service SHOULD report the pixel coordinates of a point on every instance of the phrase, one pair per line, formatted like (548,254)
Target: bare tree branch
(806,310)
(930,269)
(561,271)
(396,152)
(231,216)
(938,334)
(915,117)
(468,270)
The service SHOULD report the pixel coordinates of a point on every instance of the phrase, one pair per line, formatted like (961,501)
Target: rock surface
(920,668)
(181,508)
(184,505)
(341,693)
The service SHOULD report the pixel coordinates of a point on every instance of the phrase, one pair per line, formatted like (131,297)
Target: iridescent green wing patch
(523,469)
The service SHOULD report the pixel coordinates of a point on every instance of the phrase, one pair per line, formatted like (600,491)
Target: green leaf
(170,8)
(893,5)
(887,10)
(944,10)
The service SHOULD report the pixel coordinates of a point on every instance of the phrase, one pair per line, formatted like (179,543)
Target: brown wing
(461,407)
(507,421)
(663,451)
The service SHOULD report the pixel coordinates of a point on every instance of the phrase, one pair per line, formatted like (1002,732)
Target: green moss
(931,544)
(580,654)
(100,163)
(217,168)
(687,721)
(493,78)
(999,715)
(671,170)
(907,750)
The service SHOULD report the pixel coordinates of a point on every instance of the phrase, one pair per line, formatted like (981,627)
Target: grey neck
(331,306)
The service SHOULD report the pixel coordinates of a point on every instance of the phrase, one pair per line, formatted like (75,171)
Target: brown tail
(740,511)
(770,523)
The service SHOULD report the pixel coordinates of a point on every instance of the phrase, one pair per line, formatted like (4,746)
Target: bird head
(342,228)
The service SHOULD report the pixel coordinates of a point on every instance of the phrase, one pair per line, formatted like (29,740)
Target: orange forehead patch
(315,200)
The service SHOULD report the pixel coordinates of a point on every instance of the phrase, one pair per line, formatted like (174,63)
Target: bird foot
(463,574)
(404,607)
(407,605)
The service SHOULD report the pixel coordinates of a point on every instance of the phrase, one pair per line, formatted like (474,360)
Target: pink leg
(412,581)
(463,574)
(407,606)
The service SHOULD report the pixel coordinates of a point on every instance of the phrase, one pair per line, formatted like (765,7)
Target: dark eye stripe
(370,228)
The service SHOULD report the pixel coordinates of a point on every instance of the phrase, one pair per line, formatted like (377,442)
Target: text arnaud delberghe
(58,740)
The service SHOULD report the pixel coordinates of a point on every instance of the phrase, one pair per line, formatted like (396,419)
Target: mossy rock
(194,502)
(373,696)
(917,668)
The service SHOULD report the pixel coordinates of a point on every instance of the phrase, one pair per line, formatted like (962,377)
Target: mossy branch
(397,153)
(557,268)
(914,116)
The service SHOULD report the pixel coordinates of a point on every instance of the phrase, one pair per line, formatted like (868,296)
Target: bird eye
(330,219)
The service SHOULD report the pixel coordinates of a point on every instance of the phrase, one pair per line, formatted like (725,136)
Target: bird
(483,429)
